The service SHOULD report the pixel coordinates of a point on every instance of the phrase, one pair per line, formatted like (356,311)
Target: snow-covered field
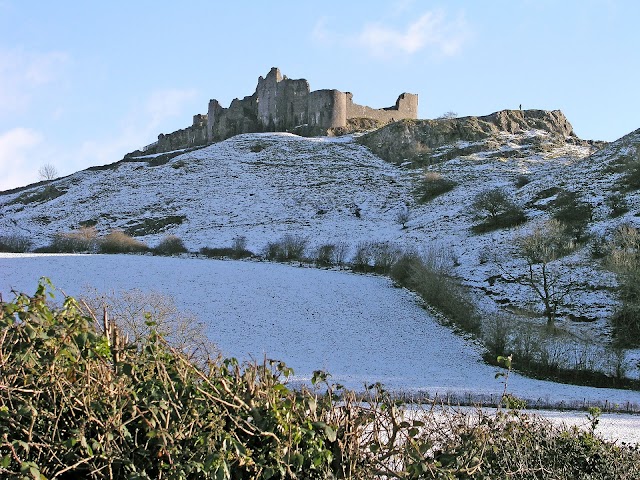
(359,328)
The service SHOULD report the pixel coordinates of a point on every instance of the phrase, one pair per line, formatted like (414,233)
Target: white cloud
(23,74)
(17,148)
(431,31)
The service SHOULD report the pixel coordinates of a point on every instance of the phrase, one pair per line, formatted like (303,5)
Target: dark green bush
(631,177)
(573,212)
(617,203)
(45,194)
(495,209)
(522,180)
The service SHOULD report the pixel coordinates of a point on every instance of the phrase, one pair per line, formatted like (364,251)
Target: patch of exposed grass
(42,195)
(149,226)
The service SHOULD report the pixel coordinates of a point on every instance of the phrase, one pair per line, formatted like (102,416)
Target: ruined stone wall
(193,136)
(291,104)
(266,93)
(282,104)
(240,117)
(327,109)
(406,107)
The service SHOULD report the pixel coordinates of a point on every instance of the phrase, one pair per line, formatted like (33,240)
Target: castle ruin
(280,104)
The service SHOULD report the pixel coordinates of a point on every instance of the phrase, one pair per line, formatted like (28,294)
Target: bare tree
(403,216)
(545,244)
(137,313)
(48,172)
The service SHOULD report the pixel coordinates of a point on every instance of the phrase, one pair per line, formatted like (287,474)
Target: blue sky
(83,83)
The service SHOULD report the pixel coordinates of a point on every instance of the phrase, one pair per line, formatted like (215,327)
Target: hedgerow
(76,402)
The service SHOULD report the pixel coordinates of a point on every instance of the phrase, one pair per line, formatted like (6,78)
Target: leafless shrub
(48,172)
(288,248)
(81,240)
(119,242)
(324,255)
(14,243)
(138,313)
(170,245)
(341,253)
(448,116)
(403,216)
(362,260)
(384,255)
(496,333)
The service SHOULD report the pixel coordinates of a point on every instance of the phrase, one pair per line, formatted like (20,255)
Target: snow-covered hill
(263,186)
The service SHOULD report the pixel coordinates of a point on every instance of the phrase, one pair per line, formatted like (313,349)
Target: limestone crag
(422,141)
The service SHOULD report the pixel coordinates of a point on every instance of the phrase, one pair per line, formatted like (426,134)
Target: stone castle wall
(406,107)
(281,104)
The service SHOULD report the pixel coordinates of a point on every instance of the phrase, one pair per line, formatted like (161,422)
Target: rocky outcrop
(420,140)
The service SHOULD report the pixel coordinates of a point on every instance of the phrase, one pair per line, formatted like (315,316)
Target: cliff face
(420,140)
